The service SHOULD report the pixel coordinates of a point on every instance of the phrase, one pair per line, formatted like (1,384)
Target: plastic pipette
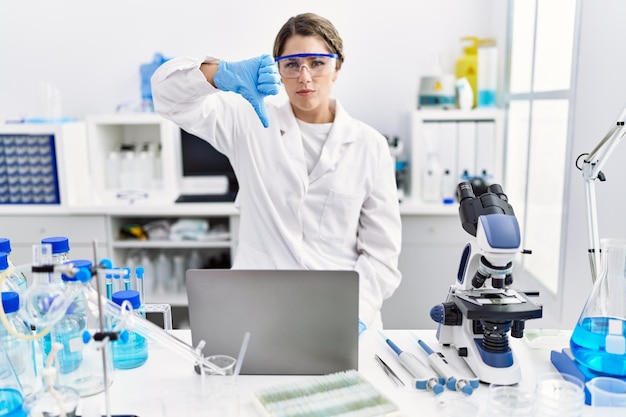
(439,362)
(425,378)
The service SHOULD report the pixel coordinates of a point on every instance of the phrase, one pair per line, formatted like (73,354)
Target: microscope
(481,308)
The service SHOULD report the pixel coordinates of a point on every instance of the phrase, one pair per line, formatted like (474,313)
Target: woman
(316,187)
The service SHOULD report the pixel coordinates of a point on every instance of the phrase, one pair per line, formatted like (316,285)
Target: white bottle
(464,93)
(163,268)
(431,179)
(487,79)
(113,170)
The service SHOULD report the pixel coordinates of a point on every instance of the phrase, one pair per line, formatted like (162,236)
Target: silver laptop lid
(301,322)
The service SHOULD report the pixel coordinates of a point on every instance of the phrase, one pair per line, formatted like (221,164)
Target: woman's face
(309,96)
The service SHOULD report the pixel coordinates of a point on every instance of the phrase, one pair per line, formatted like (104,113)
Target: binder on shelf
(447,134)
(466,149)
(486,150)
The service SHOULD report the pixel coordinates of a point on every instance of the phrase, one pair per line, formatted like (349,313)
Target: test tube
(126,277)
(139,271)
(109,285)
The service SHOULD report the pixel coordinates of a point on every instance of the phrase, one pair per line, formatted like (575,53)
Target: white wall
(601,96)
(92,50)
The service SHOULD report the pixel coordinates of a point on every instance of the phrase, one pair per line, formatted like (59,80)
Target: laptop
(301,322)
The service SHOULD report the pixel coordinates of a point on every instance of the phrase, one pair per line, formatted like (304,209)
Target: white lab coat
(343,215)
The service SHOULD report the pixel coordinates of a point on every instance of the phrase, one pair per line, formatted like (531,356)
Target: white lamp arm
(591,169)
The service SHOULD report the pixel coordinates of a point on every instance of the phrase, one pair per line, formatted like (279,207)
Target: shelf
(168,244)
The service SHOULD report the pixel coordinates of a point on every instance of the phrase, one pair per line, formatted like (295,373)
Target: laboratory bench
(141,391)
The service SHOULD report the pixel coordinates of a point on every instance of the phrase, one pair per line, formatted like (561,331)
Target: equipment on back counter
(437,92)
(480,307)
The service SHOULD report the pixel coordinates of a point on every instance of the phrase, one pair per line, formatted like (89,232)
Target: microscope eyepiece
(464,190)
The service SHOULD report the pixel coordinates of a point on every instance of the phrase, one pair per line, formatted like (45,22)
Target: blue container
(131,350)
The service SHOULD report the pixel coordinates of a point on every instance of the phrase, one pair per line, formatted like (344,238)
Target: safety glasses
(289,66)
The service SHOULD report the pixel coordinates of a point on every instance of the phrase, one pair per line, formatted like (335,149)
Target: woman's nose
(304,75)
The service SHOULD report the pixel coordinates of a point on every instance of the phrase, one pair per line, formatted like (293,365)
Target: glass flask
(598,341)
(131,350)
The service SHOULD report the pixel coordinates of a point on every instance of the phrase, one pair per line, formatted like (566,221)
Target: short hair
(310,24)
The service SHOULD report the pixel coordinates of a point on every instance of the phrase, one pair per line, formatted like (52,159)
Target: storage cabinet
(451,146)
(173,243)
(132,158)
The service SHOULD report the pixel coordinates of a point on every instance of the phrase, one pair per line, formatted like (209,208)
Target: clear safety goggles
(289,66)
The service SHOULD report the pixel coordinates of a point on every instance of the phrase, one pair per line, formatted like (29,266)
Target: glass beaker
(598,340)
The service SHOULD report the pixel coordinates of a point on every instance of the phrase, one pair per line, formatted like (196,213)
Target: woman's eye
(319,63)
(292,65)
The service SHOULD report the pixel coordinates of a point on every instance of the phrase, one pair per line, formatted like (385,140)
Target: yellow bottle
(467,64)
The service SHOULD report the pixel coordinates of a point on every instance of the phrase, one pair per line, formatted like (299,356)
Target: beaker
(598,340)
(607,392)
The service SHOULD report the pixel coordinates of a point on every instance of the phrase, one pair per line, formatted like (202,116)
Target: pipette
(425,378)
(439,362)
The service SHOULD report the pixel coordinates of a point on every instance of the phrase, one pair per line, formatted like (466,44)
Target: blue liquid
(131,354)
(486,98)
(11,403)
(588,346)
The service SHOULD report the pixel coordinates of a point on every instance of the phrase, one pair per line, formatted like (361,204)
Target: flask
(80,364)
(598,340)
(487,81)
(467,65)
(11,396)
(131,349)
(21,352)
(17,280)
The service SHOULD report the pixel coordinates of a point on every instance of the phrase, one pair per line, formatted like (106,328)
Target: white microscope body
(480,308)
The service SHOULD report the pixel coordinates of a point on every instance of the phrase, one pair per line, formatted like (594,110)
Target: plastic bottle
(60,253)
(467,64)
(114,165)
(431,179)
(487,73)
(131,349)
(464,93)
(163,270)
(79,364)
(21,352)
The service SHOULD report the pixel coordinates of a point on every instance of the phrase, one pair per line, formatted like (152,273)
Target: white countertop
(140,391)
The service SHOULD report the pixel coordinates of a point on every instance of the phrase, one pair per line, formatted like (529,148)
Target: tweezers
(390,373)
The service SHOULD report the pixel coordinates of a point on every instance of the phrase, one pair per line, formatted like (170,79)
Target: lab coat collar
(340,135)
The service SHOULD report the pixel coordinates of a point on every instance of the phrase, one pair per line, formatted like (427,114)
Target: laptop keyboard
(206,198)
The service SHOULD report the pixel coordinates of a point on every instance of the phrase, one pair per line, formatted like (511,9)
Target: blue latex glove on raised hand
(253,78)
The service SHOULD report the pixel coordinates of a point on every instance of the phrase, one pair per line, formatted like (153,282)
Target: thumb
(261,111)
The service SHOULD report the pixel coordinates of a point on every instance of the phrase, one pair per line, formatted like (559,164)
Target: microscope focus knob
(447,314)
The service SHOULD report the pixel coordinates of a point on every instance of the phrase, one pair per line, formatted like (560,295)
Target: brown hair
(310,24)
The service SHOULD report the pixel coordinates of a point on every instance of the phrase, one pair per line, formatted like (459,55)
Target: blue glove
(253,78)
(362,326)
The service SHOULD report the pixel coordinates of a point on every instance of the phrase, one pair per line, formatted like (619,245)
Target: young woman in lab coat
(316,187)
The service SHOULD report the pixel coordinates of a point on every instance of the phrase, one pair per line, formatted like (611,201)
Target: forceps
(390,373)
